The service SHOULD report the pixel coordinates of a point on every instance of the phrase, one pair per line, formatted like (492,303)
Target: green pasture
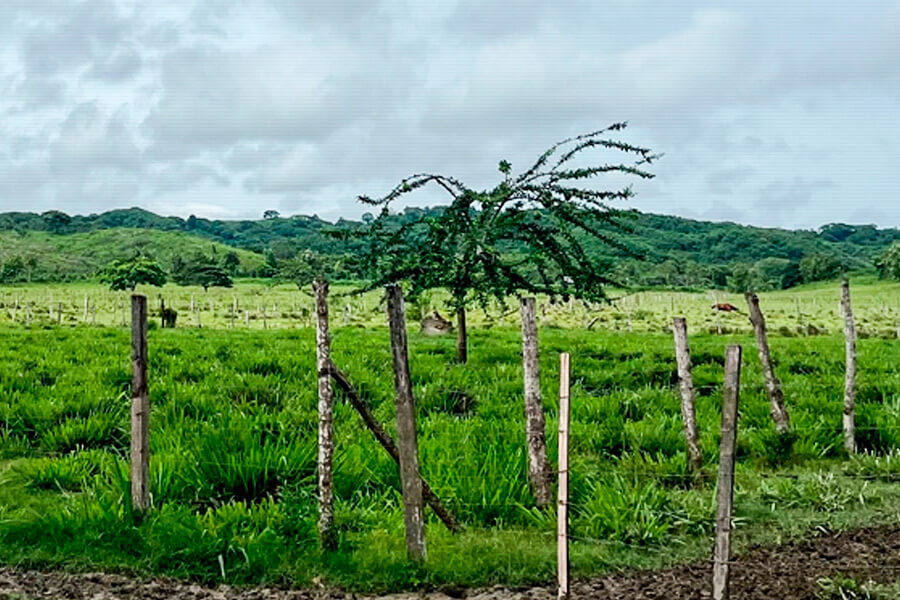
(233,439)
(256,304)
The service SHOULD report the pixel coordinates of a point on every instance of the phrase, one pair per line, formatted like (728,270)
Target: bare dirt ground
(790,571)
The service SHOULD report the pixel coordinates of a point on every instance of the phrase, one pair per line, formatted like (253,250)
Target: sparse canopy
(524,236)
(889,262)
(200,270)
(128,274)
(307,267)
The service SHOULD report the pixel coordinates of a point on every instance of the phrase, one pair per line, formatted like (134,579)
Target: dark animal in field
(169,317)
(436,325)
(725,307)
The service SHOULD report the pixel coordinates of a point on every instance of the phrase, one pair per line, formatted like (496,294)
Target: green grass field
(233,434)
(811,309)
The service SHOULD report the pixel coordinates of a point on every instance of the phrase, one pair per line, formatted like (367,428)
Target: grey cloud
(185,175)
(90,140)
(214,99)
(724,181)
(121,65)
(787,196)
(76,35)
(40,92)
(722,211)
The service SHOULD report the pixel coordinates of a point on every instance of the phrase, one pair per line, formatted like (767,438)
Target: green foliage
(842,587)
(675,252)
(200,270)
(40,257)
(526,235)
(820,267)
(56,221)
(127,275)
(888,262)
(308,266)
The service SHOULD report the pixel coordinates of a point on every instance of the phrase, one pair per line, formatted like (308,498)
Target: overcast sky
(769,113)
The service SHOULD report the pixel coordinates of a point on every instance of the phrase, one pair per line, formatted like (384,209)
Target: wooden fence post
(850,372)
(562,511)
(407,441)
(386,442)
(688,396)
(725,495)
(539,468)
(326,418)
(773,385)
(140,407)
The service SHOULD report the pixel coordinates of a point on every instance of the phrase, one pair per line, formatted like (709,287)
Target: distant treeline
(655,250)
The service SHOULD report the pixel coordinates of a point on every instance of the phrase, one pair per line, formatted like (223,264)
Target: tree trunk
(688,396)
(327,534)
(773,385)
(462,337)
(410,478)
(539,468)
(850,373)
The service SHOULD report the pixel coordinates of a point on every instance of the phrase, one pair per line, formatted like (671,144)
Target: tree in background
(888,262)
(307,267)
(778,273)
(820,267)
(128,274)
(56,221)
(527,235)
(200,270)
(271,214)
(232,263)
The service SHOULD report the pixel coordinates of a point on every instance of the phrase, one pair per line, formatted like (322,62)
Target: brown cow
(725,307)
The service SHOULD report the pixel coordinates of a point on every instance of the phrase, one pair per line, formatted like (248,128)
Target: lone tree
(889,262)
(128,274)
(306,268)
(200,270)
(530,234)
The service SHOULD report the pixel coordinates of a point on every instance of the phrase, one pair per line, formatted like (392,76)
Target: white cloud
(219,107)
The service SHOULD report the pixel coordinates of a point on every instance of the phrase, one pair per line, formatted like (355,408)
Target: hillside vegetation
(41,256)
(656,250)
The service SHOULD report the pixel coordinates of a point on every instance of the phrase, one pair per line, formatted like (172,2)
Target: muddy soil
(790,571)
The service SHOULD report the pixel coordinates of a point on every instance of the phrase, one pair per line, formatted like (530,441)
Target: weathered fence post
(386,442)
(407,441)
(562,510)
(539,468)
(688,396)
(773,385)
(140,407)
(850,372)
(725,494)
(87,306)
(326,418)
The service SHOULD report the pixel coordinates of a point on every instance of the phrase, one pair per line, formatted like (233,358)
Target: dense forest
(655,250)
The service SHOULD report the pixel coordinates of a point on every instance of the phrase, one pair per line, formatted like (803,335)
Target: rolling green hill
(667,251)
(41,256)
